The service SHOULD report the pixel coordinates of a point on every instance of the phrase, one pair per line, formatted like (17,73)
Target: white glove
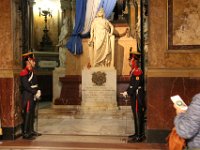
(125,94)
(38,94)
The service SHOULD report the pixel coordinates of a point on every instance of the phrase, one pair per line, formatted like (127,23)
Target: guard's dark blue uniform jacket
(29,88)
(136,93)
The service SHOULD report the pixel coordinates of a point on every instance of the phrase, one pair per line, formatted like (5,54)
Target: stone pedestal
(99,88)
(57,73)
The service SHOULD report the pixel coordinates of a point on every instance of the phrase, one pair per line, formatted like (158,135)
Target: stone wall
(10,58)
(171,69)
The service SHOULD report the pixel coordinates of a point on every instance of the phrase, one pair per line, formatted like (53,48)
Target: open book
(177,100)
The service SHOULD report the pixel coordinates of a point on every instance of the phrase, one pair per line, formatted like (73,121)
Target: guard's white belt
(34,86)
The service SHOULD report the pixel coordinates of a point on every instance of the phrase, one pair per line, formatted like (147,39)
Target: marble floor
(74,120)
(63,142)
(74,128)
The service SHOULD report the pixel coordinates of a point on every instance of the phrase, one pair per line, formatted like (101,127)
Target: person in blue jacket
(187,123)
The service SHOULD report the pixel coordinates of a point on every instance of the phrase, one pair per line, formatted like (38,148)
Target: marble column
(31,24)
(132,17)
(10,65)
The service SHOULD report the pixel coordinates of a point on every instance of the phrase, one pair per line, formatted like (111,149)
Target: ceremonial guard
(136,93)
(30,94)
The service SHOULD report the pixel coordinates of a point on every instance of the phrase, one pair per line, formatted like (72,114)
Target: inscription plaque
(99,88)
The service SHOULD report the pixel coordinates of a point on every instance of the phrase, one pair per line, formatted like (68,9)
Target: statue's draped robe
(102,44)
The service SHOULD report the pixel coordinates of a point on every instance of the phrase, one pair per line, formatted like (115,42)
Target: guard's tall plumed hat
(134,54)
(28,55)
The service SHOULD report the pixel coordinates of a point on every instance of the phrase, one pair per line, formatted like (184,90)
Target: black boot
(139,135)
(26,127)
(34,133)
(137,139)
(28,137)
(132,136)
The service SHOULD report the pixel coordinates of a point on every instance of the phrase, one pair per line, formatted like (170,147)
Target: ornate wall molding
(181,21)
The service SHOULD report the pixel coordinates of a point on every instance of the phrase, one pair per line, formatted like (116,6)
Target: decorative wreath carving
(99,78)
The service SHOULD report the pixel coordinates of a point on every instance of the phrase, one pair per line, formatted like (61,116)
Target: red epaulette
(24,72)
(137,72)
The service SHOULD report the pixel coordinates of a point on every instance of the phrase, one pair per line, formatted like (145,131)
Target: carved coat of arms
(99,78)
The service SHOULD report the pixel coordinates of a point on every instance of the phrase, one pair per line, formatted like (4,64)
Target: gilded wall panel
(184,22)
(160,54)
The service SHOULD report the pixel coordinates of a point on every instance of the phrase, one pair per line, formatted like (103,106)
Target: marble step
(76,113)
(68,126)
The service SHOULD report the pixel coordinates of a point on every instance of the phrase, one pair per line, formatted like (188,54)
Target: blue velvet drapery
(74,44)
(108,6)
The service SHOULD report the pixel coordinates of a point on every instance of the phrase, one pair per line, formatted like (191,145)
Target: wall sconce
(46,43)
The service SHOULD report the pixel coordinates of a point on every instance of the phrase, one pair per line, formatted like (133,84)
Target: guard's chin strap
(30,64)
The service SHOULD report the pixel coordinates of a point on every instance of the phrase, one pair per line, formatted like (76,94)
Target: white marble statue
(62,56)
(101,42)
(62,41)
(64,32)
